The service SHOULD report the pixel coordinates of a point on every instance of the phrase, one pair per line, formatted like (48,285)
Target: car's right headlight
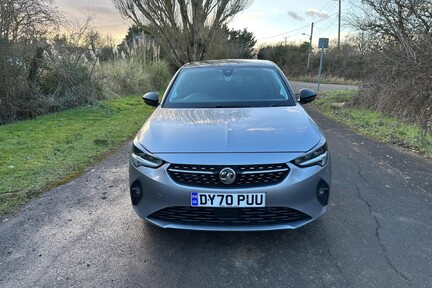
(141,157)
(317,156)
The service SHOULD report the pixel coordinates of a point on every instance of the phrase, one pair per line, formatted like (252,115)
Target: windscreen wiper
(230,106)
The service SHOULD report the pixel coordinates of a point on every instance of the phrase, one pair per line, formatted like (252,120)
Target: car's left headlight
(141,157)
(317,156)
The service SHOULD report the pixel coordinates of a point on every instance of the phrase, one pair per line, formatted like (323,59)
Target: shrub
(46,78)
(347,62)
(399,83)
(16,94)
(41,80)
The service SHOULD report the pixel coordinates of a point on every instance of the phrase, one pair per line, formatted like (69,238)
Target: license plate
(228,199)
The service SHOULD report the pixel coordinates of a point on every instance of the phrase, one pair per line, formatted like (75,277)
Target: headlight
(318,156)
(144,158)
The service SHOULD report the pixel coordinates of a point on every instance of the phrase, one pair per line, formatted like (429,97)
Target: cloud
(295,16)
(314,12)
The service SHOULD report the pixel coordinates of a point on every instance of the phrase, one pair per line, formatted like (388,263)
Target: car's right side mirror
(306,96)
(151,99)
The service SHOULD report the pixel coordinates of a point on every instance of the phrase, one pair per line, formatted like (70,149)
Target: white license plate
(228,199)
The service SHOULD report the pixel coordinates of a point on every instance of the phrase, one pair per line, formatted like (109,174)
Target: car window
(228,87)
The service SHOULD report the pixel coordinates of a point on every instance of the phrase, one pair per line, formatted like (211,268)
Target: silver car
(229,148)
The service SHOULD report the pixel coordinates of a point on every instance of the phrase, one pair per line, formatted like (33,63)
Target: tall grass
(123,77)
(135,69)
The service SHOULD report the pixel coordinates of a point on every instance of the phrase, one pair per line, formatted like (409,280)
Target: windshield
(220,87)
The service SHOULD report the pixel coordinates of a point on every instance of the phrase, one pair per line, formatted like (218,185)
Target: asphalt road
(376,233)
(314,86)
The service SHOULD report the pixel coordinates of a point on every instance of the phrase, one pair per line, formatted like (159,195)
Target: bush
(347,63)
(36,81)
(398,80)
(291,58)
(47,78)
(400,75)
(19,93)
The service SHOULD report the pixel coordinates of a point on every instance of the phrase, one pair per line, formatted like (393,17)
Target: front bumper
(298,191)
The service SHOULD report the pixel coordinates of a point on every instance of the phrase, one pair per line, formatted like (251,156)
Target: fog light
(136,193)
(322,192)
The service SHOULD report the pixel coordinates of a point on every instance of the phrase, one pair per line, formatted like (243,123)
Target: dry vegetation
(399,82)
(347,63)
(391,55)
(42,72)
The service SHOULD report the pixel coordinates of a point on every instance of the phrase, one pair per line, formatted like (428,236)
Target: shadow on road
(237,259)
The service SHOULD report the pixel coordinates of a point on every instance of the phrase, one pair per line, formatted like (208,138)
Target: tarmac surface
(376,232)
(323,87)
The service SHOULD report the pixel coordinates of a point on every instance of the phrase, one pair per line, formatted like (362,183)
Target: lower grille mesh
(229,216)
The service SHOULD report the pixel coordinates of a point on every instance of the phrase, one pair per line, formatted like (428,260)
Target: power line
(321,10)
(325,18)
(284,33)
(328,25)
(330,8)
(295,30)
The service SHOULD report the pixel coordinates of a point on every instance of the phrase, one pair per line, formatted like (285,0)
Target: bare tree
(185,29)
(400,58)
(23,25)
(26,18)
(393,19)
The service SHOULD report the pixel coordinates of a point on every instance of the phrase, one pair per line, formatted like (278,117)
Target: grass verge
(39,154)
(336,105)
(325,80)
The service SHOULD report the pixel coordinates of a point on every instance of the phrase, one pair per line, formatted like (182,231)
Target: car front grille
(229,216)
(247,176)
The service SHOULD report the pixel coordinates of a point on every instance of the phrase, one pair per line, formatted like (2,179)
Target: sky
(271,21)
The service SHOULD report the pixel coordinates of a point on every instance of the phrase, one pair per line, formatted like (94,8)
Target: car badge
(227,176)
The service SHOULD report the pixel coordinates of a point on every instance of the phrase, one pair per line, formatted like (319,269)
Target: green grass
(39,154)
(374,124)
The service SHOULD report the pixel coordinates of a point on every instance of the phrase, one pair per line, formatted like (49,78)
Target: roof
(230,62)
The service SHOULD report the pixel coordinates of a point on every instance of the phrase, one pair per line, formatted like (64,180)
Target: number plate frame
(228,200)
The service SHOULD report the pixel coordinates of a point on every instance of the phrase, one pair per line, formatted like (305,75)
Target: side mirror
(151,99)
(306,96)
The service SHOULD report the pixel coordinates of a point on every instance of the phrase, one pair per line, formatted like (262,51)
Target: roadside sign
(323,42)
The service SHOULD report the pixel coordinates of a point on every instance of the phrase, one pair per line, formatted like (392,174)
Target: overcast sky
(270,20)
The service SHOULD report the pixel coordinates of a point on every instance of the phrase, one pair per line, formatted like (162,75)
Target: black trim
(229,216)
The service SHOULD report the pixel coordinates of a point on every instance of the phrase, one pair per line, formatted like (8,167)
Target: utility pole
(310,46)
(339,24)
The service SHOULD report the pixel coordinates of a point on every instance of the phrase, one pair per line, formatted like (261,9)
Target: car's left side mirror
(306,96)
(151,99)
